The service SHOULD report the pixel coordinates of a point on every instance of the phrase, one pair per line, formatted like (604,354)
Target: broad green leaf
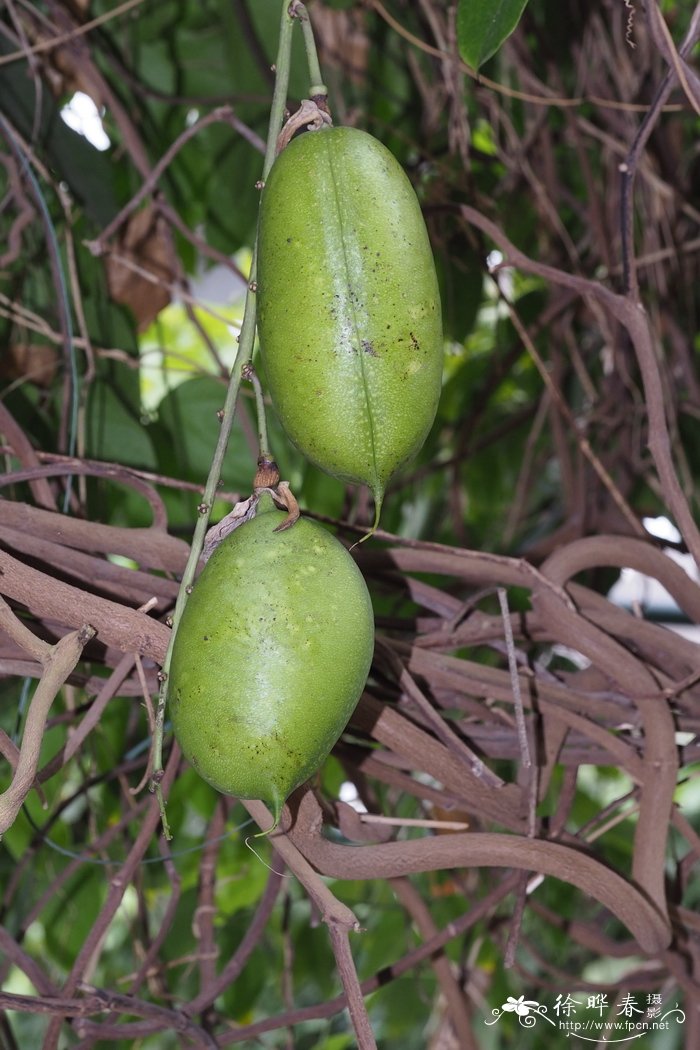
(114,430)
(189,416)
(342,1041)
(483,25)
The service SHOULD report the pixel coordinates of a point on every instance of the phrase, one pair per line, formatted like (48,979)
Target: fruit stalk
(249,373)
(317,87)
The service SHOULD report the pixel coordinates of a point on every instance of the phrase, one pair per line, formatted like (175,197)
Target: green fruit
(348,306)
(270,658)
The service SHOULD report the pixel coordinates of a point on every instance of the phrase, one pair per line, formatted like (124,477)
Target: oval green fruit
(349,314)
(270,658)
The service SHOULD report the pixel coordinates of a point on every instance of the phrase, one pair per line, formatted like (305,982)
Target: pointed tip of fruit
(378,500)
(276,802)
(267,831)
(378,493)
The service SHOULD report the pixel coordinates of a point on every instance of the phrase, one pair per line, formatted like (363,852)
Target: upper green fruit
(270,657)
(348,306)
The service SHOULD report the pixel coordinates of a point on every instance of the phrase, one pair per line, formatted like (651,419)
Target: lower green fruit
(270,658)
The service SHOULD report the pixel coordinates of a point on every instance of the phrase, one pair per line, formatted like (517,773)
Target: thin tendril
(85,859)
(65,302)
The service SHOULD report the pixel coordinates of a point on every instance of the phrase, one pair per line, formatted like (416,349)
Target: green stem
(251,375)
(315,76)
(243,357)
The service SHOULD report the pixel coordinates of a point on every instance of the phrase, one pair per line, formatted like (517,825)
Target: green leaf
(483,25)
(88,172)
(342,1041)
(189,416)
(114,430)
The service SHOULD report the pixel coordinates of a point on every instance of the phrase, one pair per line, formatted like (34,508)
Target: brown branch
(624,552)
(549,99)
(43,456)
(28,641)
(147,547)
(223,114)
(240,957)
(477,849)
(124,585)
(420,750)
(331,910)
(121,474)
(21,153)
(436,722)
(165,923)
(340,939)
(15,436)
(208,250)
(329,1008)
(337,916)
(19,875)
(58,661)
(114,624)
(632,316)
(628,168)
(15,955)
(566,412)
(63,38)
(94,941)
(453,993)
(92,718)
(97,1001)
(656,793)
(203,921)
(227,976)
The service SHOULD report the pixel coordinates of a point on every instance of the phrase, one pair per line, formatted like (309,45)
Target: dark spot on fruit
(414,342)
(368,347)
